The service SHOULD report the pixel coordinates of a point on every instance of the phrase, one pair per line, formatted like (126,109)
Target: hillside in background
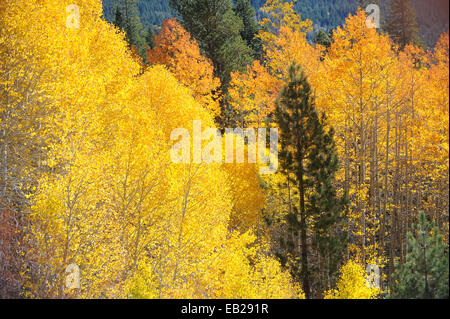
(432,15)
(324,13)
(153,12)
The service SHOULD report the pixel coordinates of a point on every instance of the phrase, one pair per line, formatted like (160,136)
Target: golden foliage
(352,284)
(107,197)
(175,48)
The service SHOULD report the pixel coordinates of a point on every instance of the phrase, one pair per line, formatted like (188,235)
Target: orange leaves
(253,94)
(175,48)
(441,51)
(439,95)
(354,32)
(292,46)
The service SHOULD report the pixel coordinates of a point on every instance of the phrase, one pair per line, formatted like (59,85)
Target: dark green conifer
(401,23)
(308,158)
(424,275)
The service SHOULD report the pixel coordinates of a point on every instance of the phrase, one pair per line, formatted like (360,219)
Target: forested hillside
(152,12)
(327,14)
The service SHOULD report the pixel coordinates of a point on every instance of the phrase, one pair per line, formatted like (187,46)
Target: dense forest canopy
(221,156)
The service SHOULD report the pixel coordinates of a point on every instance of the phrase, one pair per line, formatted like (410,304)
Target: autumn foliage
(107,196)
(389,108)
(176,49)
(86,176)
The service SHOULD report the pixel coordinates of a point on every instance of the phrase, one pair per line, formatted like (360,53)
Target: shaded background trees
(431,15)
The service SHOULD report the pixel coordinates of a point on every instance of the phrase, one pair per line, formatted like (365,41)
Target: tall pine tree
(245,11)
(308,158)
(118,19)
(150,38)
(127,19)
(401,23)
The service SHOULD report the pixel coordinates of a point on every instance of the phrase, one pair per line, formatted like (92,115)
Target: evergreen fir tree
(424,275)
(118,20)
(322,38)
(309,159)
(329,238)
(217,28)
(150,38)
(245,11)
(401,23)
(127,19)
